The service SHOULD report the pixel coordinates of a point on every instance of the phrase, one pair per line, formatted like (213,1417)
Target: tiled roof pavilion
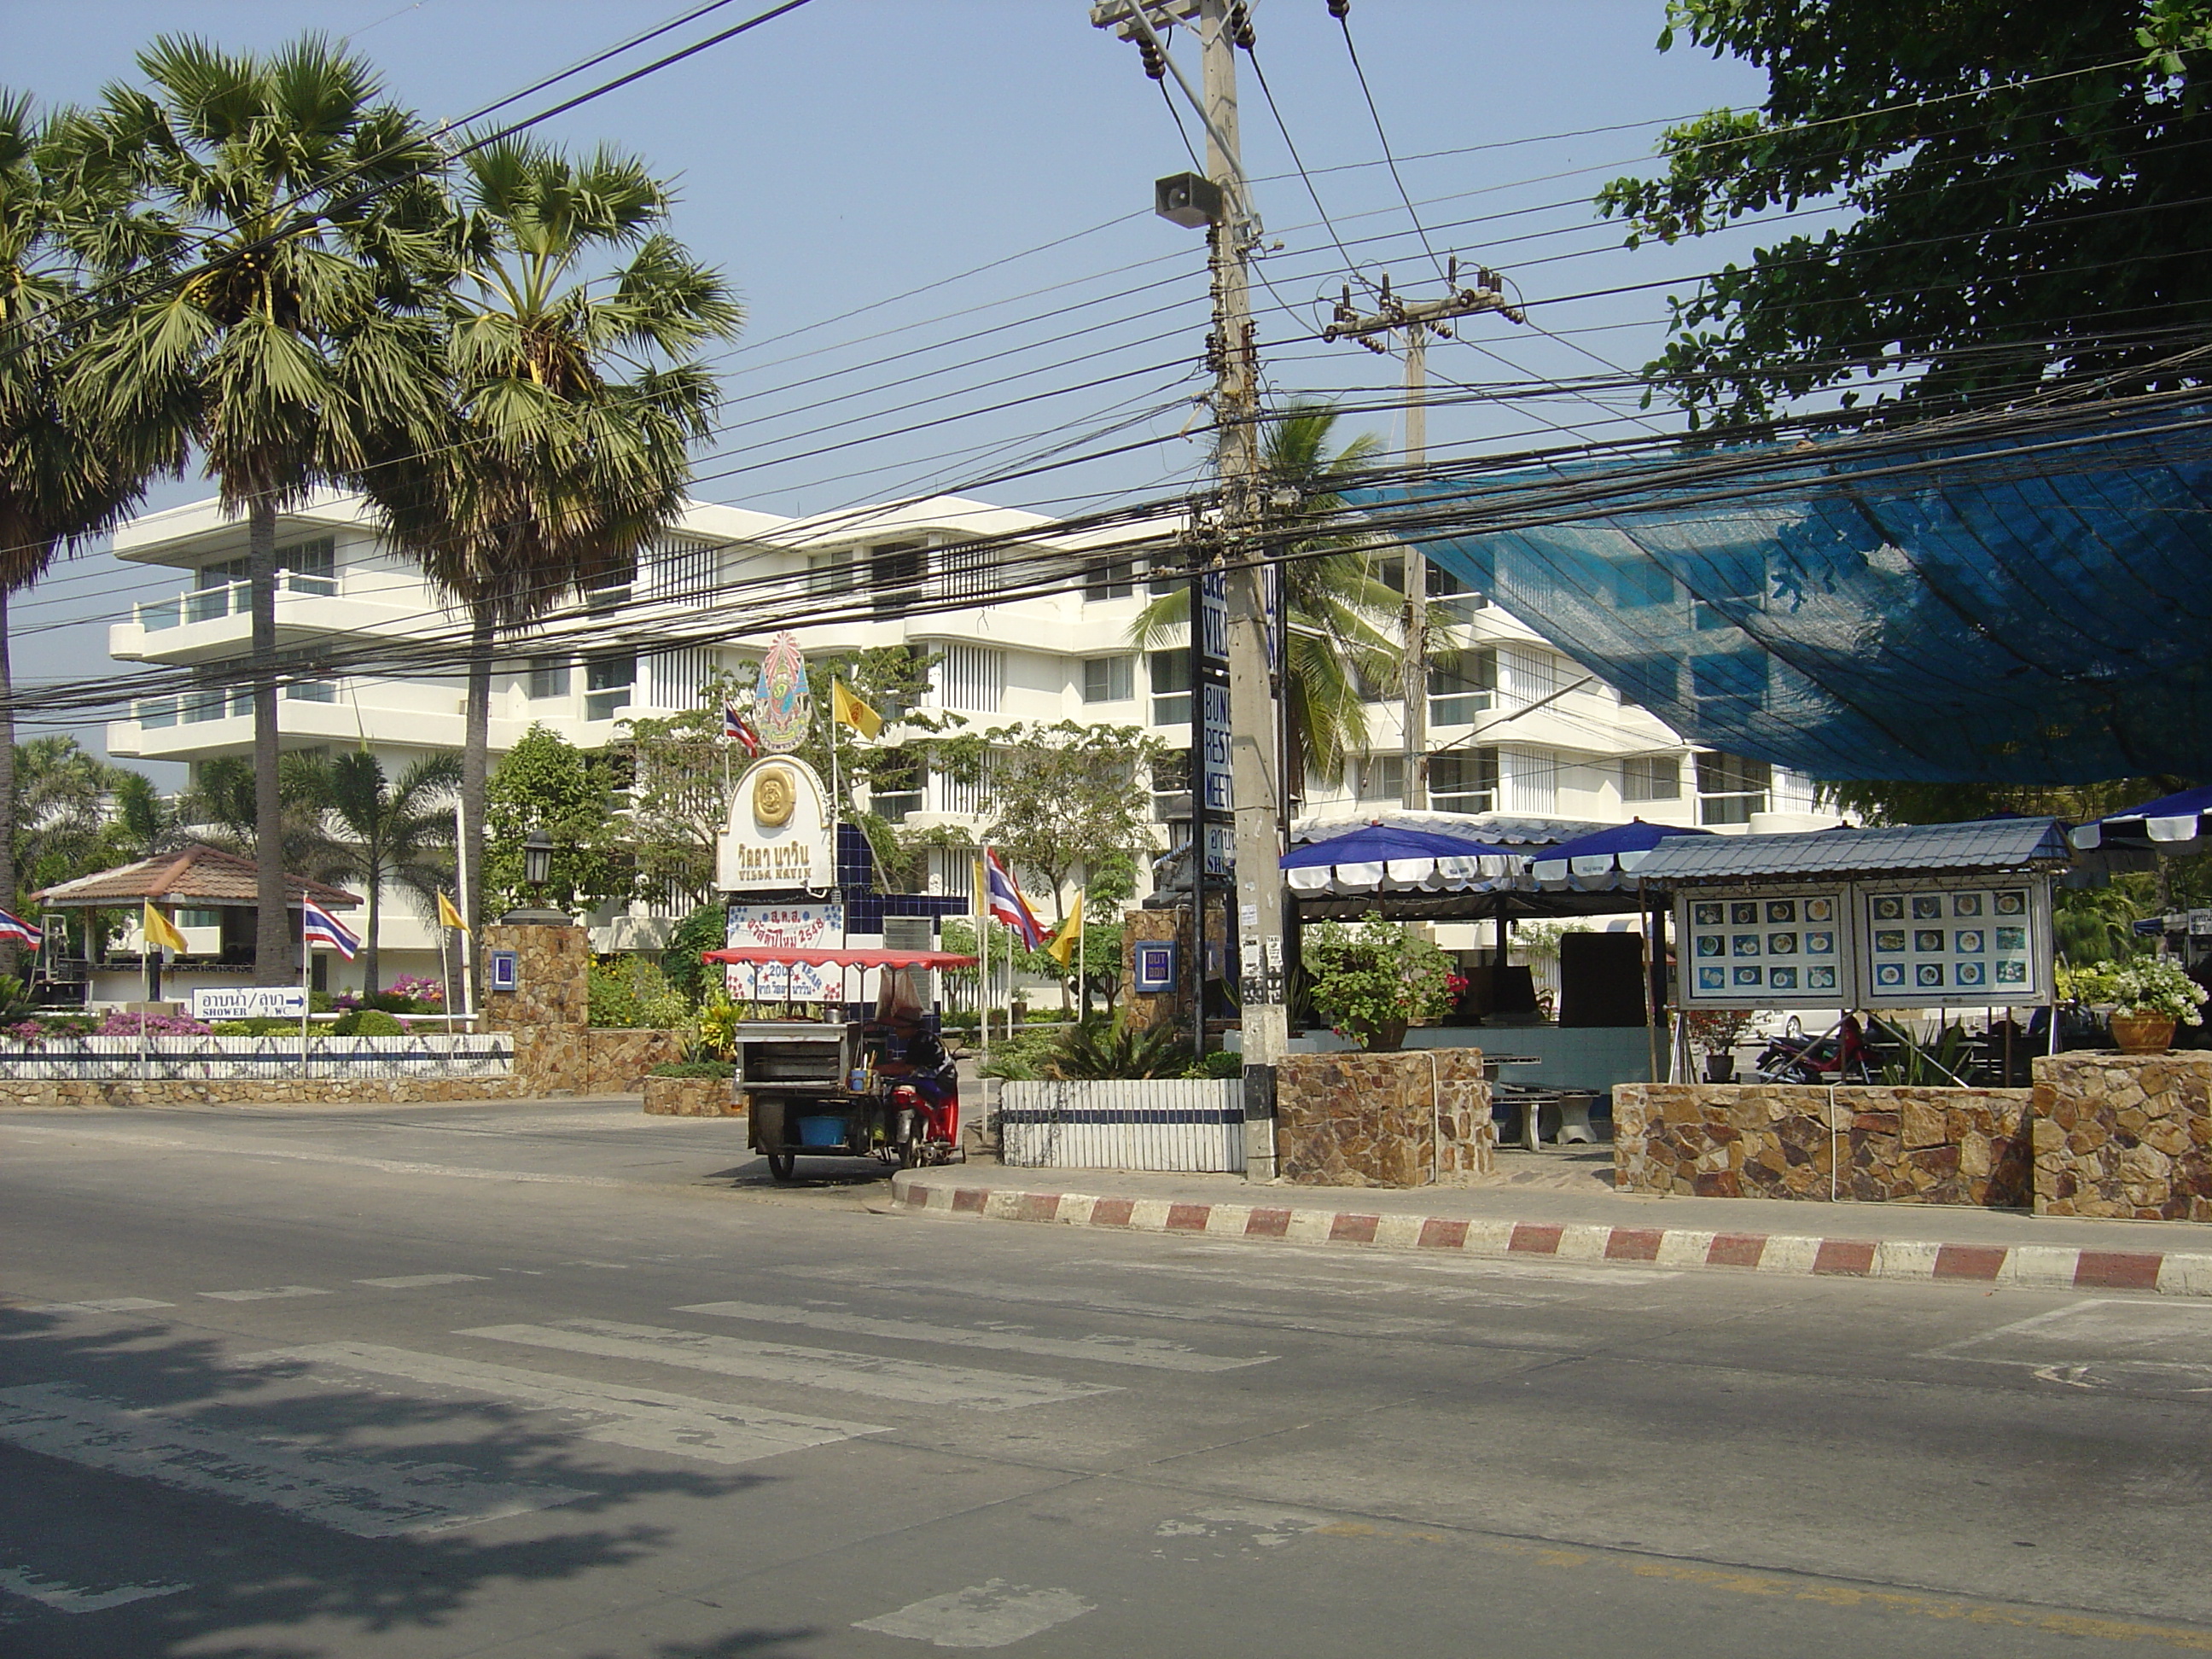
(198,877)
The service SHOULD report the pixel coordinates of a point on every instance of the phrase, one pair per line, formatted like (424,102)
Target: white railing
(1194,1124)
(230,600)
(195,1058)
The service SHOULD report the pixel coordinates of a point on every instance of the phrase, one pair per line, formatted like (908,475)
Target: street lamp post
(536,870)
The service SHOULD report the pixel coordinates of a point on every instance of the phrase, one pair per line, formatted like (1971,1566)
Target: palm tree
(142,823)
(1338,608)
(61,480)
(574,401)
(287,222)
(223,809)
(391,835)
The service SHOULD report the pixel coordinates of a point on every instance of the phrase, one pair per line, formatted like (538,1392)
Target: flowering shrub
(430,993)
(2157,985)
(123,1024)
(1371,984)
(345,1003)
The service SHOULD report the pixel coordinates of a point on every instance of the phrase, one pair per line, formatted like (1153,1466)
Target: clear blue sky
(838,157)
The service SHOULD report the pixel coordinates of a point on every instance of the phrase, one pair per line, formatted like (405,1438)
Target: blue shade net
(2025,608)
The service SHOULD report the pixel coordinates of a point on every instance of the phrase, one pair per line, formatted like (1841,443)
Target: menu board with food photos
(1934,947)
(1926,945)
(1770,949)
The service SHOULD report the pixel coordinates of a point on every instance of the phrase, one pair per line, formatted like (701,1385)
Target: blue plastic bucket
(822,1132)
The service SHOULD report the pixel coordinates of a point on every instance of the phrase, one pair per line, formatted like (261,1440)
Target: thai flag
(318,926)
(1007,904)
(739,731)
(15,928)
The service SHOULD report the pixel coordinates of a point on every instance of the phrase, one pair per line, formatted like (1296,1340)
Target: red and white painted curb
(2049,1266)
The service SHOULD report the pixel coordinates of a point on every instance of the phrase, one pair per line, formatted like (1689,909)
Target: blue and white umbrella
(1599,860)
(2171,823)
(1377,856)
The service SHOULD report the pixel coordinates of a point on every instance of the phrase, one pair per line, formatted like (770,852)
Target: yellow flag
(1063,945)
(849,710)
(448,916)
(160,931)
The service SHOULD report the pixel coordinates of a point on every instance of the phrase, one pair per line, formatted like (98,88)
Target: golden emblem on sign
(774,796)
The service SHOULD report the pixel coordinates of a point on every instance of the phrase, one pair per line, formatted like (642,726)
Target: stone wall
(2127,1135)
(552,978)
(1153,1008)
(253,1092)
(1384,1119)
(611,1060)
(1965,1146)
(690,1097)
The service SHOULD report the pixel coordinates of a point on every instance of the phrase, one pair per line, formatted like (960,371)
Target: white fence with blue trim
(196,1059)
(1187,1124)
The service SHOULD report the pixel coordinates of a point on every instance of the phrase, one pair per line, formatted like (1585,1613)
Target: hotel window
(1382,777)
(1170,787)
(972,677)
(607,683)
(1465,781)
(548,677)
(1651,777)
(834,572)
(895,785)
(1730,788)
(895,572)
(1108,679)
(1461,684)
(310,566)
(1170,676)
(1115,579)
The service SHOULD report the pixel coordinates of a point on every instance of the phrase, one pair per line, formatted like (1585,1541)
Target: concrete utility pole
(1257,922)
(1417,322)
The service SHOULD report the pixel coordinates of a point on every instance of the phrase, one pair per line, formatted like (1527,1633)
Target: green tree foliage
(2020,184)
(572,397)
(59,813)
(1371,981)
(280,185)
(1062,798)
(707,928)
(142,821)
(547,782)
(63,480)
(223,808)
(396,835)
(1340,610)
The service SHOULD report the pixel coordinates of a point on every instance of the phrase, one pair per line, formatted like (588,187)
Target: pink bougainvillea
(123,1024)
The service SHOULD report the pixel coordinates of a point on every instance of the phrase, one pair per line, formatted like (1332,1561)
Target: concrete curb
(2043,1266)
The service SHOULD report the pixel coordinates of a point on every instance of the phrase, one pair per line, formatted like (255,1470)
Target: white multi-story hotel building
(1513,725)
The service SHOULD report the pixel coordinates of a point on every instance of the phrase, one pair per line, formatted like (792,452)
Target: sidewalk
(1563,1206)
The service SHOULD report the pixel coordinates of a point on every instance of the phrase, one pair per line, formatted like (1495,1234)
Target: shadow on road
(252,1570)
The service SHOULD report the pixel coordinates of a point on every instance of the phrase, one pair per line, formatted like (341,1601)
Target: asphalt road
(567,1382)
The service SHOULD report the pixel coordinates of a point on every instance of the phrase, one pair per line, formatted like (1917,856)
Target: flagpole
(1082,965)
(305,996)
(983,949)
(467,950)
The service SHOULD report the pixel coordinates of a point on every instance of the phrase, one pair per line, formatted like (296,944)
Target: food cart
(840,1078)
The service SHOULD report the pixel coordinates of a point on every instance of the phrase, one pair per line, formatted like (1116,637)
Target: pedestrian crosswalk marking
(72,1598)
(368,1496)
(815,1367)
(421,1281)
(270,1293)
(1111,1351)
(105,1304)
(647,1419)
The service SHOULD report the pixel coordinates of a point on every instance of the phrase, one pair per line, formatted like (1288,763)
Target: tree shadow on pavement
(93,1512)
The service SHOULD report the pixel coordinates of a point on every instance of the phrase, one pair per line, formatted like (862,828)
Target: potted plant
(2150,996)
(1717,1031)
(1371,982)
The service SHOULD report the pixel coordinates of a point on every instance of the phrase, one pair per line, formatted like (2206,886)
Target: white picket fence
(1183,1124)
(198,1059)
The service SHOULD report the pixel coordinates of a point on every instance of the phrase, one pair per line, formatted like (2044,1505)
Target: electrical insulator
(1154,65)
(1339,9)
(1240,24)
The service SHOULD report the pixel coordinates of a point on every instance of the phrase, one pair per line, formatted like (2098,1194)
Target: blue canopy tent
(1379,856)
(2028,606)
(2172,823)
(1595,862)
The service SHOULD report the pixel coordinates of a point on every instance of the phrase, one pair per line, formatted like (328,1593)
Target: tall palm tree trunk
(272,929)
(370,984)
(476,744)
(9,951)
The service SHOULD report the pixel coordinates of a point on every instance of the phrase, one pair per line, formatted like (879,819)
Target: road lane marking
(270,1293)
(645,1419)
(1109,1350)
(992,1614)
(105,1304)
(870,1374)
(69,1598)
(368,1497)
(418,1281)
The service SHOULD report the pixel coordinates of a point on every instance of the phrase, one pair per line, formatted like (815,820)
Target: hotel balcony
(210,623)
